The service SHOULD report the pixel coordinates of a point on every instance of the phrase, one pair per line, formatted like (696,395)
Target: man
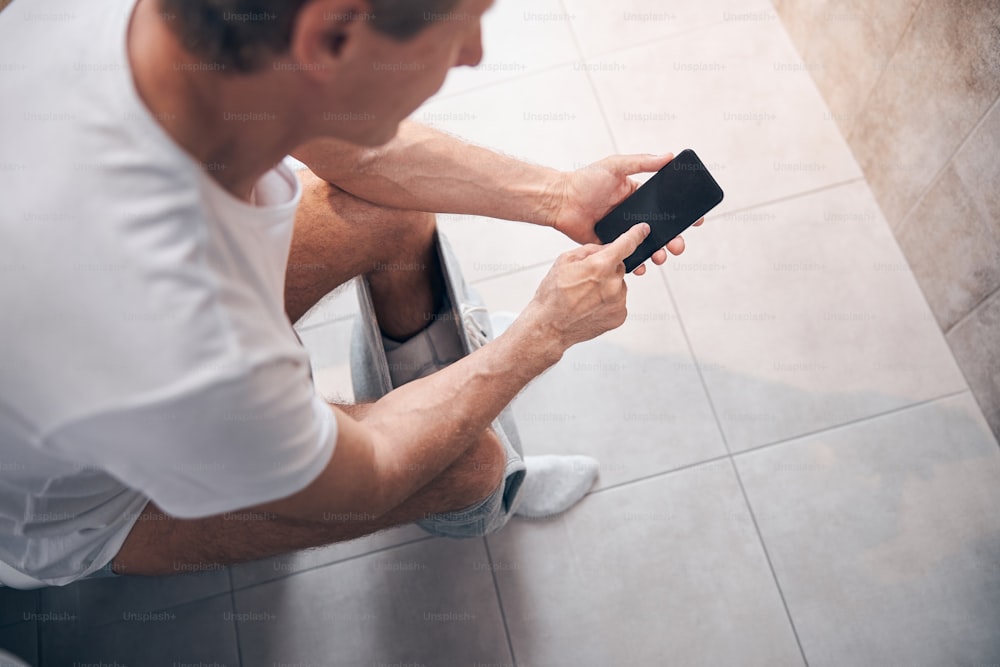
(152,383)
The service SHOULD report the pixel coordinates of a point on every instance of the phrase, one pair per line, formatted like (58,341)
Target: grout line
(697,365)
(770,564)
(496,588)
(791,197)
(732,462)
(771,202)
(513,272)
(157,610)
(581,57)
(785,441)
(739,478)
(39,653)
(878,82)
(236,626)
(972,311)
(854,422)
(312,326)
(665,473)
(590,82)
(945,165)
(334,562)
(653,40)
(548,262)
(498,82)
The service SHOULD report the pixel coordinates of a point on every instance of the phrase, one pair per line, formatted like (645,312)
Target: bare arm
(413,433)
(423,169)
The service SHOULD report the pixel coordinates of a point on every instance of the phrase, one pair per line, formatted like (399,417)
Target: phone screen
(672,200)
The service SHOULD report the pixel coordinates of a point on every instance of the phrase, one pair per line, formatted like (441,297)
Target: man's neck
(225,123)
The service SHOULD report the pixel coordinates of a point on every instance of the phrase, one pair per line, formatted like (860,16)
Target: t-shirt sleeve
(234,443)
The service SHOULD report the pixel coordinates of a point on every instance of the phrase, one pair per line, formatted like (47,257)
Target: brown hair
(244,34)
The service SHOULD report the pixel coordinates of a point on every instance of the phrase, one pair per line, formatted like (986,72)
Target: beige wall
(915,87)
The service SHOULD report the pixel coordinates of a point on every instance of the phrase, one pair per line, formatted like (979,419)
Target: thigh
(339,236)
(159,544)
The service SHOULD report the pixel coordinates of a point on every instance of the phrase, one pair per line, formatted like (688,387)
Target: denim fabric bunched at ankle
(371,379)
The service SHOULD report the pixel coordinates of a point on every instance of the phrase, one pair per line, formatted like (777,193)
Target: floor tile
(940,81)
(339,304)
(200,633)
(804,315)
(92,602)
(885,536)
(974,342)
(606,26)
(847,45)
(329,346)
(737,93)
(257,572)
(430,603)
(15,605)
(956,264)
(519,37)
(631,398)
(19,641)
(487,248)
(551,118)
(670,566)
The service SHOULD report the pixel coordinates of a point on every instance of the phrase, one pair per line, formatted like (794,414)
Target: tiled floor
(794,471)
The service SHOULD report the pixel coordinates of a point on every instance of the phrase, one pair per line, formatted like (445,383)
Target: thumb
(640,163)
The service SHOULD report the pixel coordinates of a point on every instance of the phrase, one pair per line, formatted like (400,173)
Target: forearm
(421,428)
(414,433)
(388,450)
(423,169)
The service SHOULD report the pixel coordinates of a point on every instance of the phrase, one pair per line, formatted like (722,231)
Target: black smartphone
(675,198)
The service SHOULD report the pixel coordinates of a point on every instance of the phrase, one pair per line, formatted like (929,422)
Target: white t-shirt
(144,348)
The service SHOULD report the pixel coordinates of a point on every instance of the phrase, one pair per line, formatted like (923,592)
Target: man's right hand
(583,294)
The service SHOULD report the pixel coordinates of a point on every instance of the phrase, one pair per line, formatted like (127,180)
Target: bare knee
(353,231)
(472,477)
(480,471)
(409,239)
(384,232)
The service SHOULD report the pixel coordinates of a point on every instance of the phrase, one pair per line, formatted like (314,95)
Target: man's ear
(323,32)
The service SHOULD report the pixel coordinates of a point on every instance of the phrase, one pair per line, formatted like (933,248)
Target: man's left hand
(588,194)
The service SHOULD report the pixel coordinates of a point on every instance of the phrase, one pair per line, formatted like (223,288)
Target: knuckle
(566,258)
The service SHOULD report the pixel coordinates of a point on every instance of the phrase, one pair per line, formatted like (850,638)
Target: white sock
(553,484)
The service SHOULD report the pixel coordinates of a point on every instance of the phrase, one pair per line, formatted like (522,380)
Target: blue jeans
(370,377)
(491,514)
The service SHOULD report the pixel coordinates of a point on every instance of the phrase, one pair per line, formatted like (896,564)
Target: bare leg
(160,544)
(337,237)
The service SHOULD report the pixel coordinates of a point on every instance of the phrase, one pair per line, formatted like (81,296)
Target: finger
(625,245)
(660,256)
(639,163)
(589,249)
(582,252)
(639,270)
(676,245)
(699,223)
